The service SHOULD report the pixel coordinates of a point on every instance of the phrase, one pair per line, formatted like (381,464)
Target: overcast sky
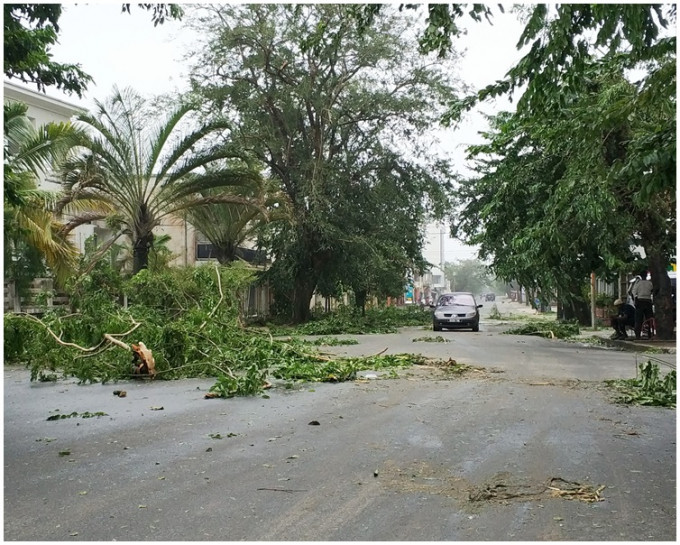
(127,50)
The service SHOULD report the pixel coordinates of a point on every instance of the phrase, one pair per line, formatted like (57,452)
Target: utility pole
(592,300)
(442,253)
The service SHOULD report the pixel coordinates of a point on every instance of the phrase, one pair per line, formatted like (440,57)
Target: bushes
(350,321)
(190,319)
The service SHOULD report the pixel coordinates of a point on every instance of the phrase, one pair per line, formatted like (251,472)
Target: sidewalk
(604,334)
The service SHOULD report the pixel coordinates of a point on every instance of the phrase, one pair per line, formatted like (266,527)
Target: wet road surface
(521,449)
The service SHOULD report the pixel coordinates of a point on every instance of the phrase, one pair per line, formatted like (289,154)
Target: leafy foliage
(550,204)
(86,414)
(249,384)
(331,341)
(139,172)
(30,30)
(550,329)
(648,388)
(437,339)
(586,167)
(344,369)
(31,232)
(348,321)
(189,318)
(468,275)
(229,225)
(327,112)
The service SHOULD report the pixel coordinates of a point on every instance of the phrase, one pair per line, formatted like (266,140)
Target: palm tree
(228,225)
(145,171)
(29,224)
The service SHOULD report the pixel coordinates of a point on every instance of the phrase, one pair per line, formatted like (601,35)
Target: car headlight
(470,314)
(439,314)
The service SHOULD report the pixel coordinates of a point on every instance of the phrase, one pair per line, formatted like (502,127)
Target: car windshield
(462,299)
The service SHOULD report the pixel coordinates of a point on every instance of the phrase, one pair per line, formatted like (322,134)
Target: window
(204,250)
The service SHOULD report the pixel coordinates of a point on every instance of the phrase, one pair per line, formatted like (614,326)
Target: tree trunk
(302,295)
(574,306)
(225,254)
(663,305)
(360,300)
(140,252)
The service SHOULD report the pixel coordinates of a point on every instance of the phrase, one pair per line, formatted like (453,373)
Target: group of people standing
(636,310)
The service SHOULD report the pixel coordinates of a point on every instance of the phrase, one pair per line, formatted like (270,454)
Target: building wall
(182,242)
(42,108)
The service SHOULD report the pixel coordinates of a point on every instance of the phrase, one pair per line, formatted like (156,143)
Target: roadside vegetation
(347,320)
(552,329)
(293,139)
(192,319)
(649,387)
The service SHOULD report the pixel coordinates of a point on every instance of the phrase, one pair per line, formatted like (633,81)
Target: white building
(439,249)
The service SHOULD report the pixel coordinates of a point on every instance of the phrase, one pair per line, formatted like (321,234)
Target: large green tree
(554,199)
(468,275)
(623,134)
(142,167)
(332,115)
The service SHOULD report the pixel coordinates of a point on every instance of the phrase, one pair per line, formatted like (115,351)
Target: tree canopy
(335,117)
(553,199)
(584,171)
(468,275)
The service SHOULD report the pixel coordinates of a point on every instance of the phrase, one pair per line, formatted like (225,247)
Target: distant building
(433,281)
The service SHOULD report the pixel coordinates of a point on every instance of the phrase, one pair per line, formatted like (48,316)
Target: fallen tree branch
(282,489)
(137,324)
(219,286)
(147,364)
(92,354)
(109,338)
(58,339)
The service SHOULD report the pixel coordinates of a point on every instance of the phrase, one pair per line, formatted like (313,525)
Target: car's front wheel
(436,327)
(475,327)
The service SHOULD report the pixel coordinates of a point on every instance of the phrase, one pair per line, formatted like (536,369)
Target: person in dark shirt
(625,316)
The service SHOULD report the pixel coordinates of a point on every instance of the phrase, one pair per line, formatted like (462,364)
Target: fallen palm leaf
(575,491)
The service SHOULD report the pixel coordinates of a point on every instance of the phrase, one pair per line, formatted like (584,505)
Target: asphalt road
(511,451)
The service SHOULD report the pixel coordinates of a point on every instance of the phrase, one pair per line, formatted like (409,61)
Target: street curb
(634,346)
